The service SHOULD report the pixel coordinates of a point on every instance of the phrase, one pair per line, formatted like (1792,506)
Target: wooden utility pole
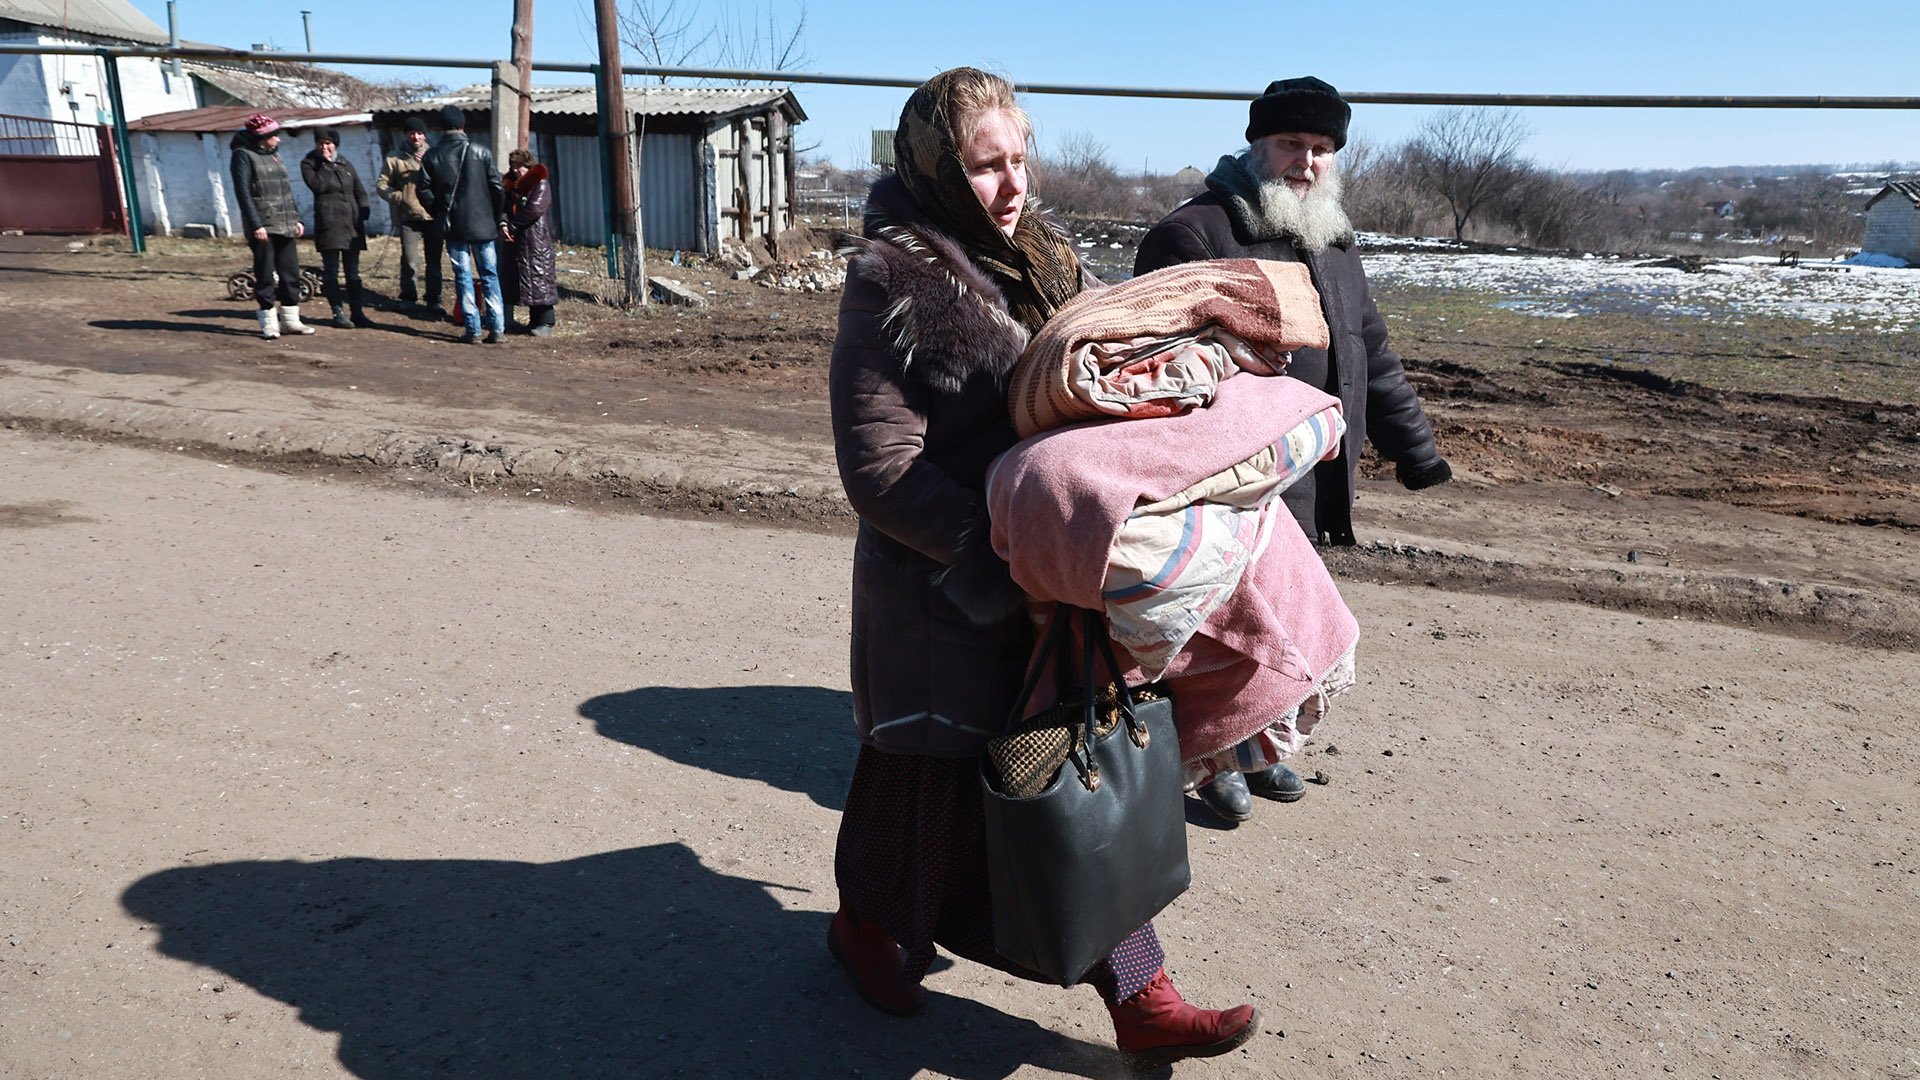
(523,60)
(613,107)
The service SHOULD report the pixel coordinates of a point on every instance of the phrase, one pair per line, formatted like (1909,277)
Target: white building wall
(74,88)
(1893,228)
(186,175)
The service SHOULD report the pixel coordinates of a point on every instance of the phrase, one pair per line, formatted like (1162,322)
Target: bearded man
(1279,198)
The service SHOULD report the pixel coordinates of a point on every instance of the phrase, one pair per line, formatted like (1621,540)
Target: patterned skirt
(912,857)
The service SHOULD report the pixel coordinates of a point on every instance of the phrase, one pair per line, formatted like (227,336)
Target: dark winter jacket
(261,187)
(1363,371)
(465,187)
(528,206)
(339,202)
(917,387)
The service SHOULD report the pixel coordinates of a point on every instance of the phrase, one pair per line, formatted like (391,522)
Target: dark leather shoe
(492,338)
(1226,795)
(1278,783)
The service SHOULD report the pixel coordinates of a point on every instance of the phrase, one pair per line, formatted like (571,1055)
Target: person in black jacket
(271,222)
(1279,198)
(340,211)
(468,199)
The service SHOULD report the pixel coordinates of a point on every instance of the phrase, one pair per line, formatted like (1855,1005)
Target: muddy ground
(1765,473)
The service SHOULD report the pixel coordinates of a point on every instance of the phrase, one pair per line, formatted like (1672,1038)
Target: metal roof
(641,100)
(271,86)
(115,19)
(228,118)
(1909,188)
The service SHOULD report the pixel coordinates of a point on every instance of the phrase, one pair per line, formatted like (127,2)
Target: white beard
(1314,220)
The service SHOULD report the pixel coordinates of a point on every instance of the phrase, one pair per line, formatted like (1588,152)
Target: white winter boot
(269,324)
(290,321)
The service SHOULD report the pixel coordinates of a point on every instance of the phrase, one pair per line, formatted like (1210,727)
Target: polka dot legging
(912,858)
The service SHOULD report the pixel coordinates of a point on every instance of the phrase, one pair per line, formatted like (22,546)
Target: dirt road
(298,777)
(1620,462)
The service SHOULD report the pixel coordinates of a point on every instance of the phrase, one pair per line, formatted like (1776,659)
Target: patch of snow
(1844,296)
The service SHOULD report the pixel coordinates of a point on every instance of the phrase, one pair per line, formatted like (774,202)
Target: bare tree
(1469,157)
(662,33)
(764,41)
(1380,192)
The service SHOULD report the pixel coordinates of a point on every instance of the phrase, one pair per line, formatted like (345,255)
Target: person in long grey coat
(1279,198)
(340,210)
(532,279)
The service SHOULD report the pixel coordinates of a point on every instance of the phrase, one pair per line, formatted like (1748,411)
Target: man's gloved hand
(1424,475)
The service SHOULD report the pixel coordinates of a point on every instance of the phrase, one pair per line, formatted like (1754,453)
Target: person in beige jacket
(399,184)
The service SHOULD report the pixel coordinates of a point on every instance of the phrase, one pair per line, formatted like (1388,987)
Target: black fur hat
(453,118)
(1303,104)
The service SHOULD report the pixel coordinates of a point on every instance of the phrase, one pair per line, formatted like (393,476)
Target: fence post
(606,182)
(136,235)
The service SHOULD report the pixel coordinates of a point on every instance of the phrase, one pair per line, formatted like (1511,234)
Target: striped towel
(1160,344)
(1175,560)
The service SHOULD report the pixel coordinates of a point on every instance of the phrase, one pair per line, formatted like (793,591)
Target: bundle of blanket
(1158,345)
(1170,523)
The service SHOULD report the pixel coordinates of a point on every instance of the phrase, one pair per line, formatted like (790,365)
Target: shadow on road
(640,962)
(177,327)
(798,738)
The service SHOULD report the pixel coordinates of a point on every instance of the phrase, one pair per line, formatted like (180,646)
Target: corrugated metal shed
(101,18)
(641,100)
(230,117)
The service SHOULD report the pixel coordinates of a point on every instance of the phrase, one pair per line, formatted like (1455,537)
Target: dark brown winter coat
(1360,367)
(918,392)
(339,203)
(529,202)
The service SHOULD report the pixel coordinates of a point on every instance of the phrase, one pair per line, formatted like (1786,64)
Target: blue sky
(1628,46)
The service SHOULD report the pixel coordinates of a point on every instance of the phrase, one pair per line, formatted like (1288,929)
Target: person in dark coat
(529,232)
(954,273)
(340,210)
(271,223)
(467,198)
(1279,198)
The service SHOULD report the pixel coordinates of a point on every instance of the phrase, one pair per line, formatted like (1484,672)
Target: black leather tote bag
(1101,847)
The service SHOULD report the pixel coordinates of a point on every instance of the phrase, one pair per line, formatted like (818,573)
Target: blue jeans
(463,256)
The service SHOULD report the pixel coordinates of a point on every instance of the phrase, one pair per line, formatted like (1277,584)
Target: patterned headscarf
(1036,267)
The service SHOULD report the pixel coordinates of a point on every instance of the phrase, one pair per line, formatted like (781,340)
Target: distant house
(716,164)
(1190,179)
(1723,208)
(1893,222)
(74,88)
(180,162)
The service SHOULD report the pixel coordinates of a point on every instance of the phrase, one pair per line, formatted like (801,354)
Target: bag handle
(1050,647)
(1094,632)
(1123,694)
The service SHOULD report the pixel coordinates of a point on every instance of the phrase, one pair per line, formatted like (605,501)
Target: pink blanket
(1058,500)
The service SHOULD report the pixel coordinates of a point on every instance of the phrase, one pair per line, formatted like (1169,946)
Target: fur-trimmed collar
(946,320)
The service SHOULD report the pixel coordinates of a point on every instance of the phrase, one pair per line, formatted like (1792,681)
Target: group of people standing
(451,198)
(956,270)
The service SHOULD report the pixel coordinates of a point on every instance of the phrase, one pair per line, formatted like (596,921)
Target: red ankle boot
(873,962)
(1155,1027)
